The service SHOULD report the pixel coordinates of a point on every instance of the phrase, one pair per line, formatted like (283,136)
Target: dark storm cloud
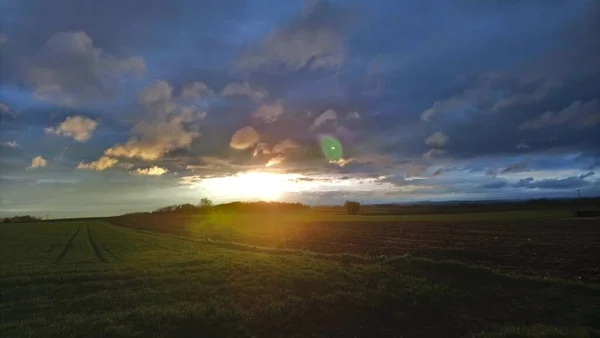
(314,39)
(557,184)
(515,168)
(434,99)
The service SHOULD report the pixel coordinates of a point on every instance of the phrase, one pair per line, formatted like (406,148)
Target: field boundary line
(97,252)
(66,247)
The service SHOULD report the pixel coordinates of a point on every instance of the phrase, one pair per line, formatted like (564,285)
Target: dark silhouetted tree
(205,203)
(352,207)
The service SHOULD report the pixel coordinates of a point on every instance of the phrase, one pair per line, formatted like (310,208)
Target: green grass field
(95,279)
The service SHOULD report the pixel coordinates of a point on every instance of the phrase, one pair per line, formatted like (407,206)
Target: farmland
(527,242)
(300,276)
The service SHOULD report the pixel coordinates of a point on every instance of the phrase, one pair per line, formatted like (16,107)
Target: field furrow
(67,246)
(94,246)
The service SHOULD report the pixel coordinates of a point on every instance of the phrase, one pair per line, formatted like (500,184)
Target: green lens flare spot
(331,148)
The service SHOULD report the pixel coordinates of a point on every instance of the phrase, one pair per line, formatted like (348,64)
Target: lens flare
(331,148)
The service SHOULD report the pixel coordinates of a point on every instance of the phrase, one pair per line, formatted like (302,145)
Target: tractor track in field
(53,246)
(97,253)
(66,247)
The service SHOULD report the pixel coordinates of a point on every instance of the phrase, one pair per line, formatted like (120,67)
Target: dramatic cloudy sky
(115,106)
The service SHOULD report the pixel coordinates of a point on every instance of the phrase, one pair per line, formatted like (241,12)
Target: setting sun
(261,185)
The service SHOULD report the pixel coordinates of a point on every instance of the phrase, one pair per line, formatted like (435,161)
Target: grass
(95,279)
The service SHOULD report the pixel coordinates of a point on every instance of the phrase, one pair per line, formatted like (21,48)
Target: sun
(251,185)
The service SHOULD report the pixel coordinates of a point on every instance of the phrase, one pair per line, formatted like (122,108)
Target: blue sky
(111,106)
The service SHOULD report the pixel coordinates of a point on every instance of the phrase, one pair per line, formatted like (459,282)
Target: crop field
(187,278)
(524,242)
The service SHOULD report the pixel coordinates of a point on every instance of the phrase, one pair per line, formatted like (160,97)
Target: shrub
(352,207)
(21,219)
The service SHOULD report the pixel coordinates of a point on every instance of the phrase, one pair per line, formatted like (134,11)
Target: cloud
(443,106)
(312,40)
(440,171)
(275,161)
(168,127)
(540,93)
(491,93)
(572,182)
(70,71)
(269,113)
(9,144)
(437,139)
(588,174)
(191,113)
(256,93)
(433,153)
(578,115)
(342,162)
(6,112)
(284,146)
(155,140)
(523,145)
(491,172)
(195,90)
(328,115)
(244,138)
(38,162)
(159,102)
(152,171)
(494,185)
(353,115)
(280,148)
(80,128)
(261,148)
(158,92)
(101,164)
(518,167)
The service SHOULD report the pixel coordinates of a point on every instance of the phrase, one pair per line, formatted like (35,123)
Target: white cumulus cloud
(244,138)
(80,128)
(102,163)
(151,171)
(154,140)
(38,162)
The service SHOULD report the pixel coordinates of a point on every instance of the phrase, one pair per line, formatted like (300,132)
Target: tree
(205,203)
(352,207)
(21,219)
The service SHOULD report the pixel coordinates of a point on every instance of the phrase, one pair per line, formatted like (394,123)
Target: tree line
(207,206)
(21,219)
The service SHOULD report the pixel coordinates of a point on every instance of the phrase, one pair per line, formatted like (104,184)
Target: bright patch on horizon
(251,185)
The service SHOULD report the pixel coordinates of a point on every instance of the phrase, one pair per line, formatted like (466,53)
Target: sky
(110,106)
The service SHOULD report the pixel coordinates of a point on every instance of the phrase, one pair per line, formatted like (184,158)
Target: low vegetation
(20,219)
(282,269)
(95,279)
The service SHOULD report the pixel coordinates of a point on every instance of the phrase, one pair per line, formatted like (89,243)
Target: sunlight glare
(262,185)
